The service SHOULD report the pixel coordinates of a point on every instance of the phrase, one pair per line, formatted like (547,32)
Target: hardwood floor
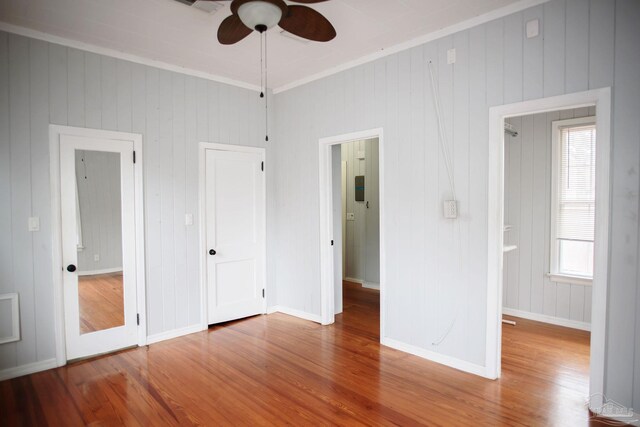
(276,369)
(101,302)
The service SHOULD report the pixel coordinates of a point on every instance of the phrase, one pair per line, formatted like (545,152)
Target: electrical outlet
(188,219)
(450,209)
(96,257)
(351,216)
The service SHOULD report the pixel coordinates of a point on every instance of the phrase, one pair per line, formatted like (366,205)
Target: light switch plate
(533,28)
(451,56)
(351,216)
(34,223)
(188,219)
(450,209)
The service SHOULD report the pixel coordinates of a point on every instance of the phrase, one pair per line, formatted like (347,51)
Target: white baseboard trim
(29,368)
(368,285)
(443,359)
(293,312)
(103,271)
(567,323)
(175,333)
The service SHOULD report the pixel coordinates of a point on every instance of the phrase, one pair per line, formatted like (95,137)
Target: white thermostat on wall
(451,209)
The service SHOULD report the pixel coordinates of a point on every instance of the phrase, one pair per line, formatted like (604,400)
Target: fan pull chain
(261,65)
(266,89)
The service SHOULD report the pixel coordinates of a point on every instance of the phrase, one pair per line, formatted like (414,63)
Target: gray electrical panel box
(359,188)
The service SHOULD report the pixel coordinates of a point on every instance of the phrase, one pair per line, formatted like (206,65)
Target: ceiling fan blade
(307,23)
(232,30)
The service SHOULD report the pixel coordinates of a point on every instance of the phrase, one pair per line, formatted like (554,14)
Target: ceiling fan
(260,15)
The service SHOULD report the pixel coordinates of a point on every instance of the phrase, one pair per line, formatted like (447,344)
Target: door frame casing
(202,223)
(327,297)
(601,99)
(55,131)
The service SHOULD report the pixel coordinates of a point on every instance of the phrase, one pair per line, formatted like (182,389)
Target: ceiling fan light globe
(259,13)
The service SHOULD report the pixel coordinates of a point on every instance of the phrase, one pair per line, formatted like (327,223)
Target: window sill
(574,280)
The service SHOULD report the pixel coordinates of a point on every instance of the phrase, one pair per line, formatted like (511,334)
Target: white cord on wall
(441,129)
(447,161)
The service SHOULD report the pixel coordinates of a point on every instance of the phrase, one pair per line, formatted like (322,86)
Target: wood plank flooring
(280,370)
(101,302)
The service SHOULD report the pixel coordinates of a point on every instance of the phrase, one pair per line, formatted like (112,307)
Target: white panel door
(97,197)
(235,234)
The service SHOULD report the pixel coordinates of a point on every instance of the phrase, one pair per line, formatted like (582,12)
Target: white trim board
(386,51)
(39,35)
(364,284)
(103,271)
(174,333)
(29,368)
(442,359)
(601,98)
(295,313)
(558,321)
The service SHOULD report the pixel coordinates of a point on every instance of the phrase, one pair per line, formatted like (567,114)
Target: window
(573,197)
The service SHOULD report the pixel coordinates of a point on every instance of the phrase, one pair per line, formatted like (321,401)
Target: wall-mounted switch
(450,209)
(34,223)
(451,56)
(188,219)
(351,216)
(96,257)
(533,28)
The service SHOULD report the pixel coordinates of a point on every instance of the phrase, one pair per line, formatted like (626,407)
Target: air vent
(203,5)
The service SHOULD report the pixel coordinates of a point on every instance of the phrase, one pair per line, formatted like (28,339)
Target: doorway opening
(359,290)
(549,223)
(548,236)
(351,218)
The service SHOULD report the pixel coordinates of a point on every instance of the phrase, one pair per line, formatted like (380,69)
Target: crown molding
(39,35)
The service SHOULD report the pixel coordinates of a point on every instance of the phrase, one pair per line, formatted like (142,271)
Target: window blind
(576,193)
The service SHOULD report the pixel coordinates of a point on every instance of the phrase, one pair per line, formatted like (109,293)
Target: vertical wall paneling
(153,184)
(109,90)
(533,56)
(554,47)
(7,351)
(22,243)
(513,58)
(601,44)
(179,202)
(92,90)
(577,46)
(623,277)
(75,88)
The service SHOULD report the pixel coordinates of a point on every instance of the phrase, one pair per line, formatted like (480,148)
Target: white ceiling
(170,32)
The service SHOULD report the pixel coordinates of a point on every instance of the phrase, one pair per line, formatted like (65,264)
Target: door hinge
(138,318)
(134,156)
(332,243)
(262,166)
(263,293)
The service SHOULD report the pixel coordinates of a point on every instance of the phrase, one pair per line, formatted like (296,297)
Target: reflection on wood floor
(281,370)
(101,302)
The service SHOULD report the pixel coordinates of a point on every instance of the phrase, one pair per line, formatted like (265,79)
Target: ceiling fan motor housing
(259,14)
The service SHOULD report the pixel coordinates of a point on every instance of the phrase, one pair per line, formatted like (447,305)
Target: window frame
(556,163)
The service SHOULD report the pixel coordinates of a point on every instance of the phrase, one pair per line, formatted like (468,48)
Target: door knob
(71,268)
(212,252)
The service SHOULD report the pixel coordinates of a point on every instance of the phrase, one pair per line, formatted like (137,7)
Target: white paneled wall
(99,200)
(436,269)
(42,83)
(526,286)
(362,245)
